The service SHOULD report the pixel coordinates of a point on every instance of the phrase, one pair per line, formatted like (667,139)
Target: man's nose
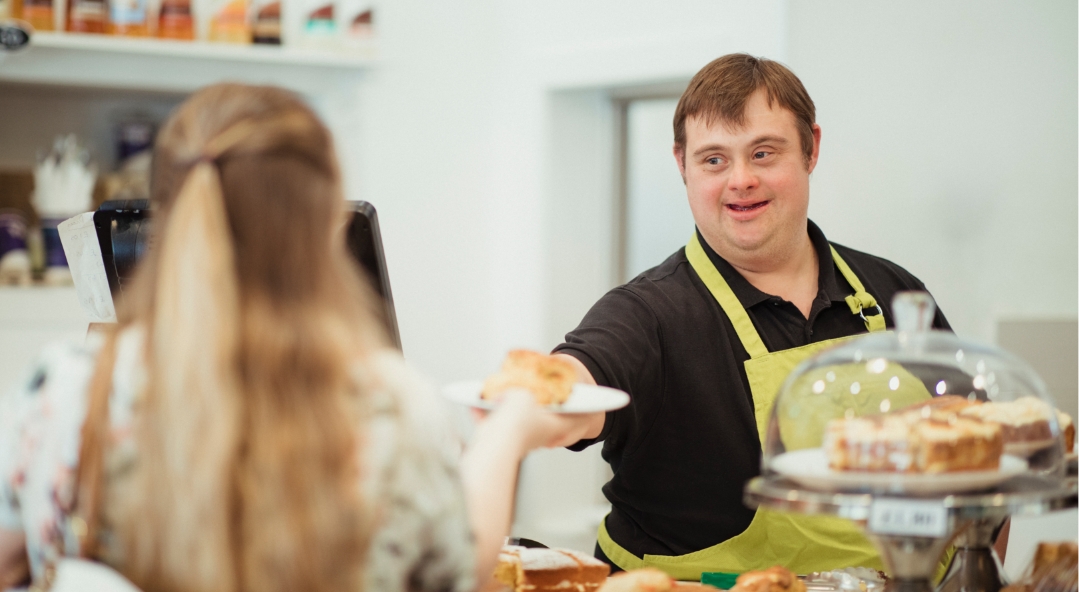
(742,176)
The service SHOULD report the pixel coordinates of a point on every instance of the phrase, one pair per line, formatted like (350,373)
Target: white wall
(658,220)
(950,146)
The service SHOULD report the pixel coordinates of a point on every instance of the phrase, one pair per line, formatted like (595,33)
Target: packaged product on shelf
(87,16)
(130,18)
(318,27)
(131,180)
(14,256)
(356,21)
(266,22)
(11,9)
(63,186)
(40,14)
(228,22)
(175,20)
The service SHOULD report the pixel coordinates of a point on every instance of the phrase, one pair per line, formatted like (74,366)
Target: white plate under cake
(809,468)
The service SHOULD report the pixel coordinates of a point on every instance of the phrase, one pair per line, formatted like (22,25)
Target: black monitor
(123,232)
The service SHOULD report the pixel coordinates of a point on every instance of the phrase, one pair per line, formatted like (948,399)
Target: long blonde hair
(247,435)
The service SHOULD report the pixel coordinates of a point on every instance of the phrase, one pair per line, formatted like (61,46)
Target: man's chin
(746,242)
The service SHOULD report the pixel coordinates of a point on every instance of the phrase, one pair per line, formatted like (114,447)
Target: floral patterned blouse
(422,544)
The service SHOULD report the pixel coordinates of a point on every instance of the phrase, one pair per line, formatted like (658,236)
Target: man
(697,340)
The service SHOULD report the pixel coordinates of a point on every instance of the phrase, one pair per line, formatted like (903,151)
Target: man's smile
(746,210)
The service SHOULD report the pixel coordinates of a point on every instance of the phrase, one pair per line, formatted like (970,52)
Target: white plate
(584,398)
(1027,449)
(810,468)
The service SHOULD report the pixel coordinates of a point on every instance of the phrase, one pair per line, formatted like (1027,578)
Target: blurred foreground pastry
(773,579)
(648,579)
(1055,569)
(549,570)
(850,579)
(548,378)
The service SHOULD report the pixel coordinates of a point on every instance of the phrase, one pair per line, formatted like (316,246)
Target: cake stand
(913,532)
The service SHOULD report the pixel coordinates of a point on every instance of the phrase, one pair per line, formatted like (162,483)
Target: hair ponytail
(245,470)
(191,424)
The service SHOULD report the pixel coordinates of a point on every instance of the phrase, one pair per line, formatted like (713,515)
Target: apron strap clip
(858,302)
(861,300)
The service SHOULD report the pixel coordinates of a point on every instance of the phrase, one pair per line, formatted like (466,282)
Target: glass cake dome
(914,411)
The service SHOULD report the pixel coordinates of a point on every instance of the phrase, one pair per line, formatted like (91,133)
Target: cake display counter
(923,441)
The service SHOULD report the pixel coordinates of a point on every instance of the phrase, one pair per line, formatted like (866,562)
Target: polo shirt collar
(828,285)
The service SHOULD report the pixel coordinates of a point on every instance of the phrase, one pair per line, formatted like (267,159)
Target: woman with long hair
(245,426)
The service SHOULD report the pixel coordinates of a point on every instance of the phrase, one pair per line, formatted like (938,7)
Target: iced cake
(549,570)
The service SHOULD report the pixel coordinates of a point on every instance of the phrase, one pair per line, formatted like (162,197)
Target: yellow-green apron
(802,544)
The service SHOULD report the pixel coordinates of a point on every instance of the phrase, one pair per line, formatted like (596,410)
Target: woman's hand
(533,426)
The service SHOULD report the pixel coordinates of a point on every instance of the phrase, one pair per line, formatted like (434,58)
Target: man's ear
(812,164)
(680,160)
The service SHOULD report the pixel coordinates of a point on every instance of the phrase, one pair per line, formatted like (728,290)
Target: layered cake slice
(957,444)
(1025,422)
(923,439)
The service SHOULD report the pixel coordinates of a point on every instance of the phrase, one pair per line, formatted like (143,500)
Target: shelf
(81,60)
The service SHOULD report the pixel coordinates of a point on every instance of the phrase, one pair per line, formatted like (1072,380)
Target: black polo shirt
(684,448)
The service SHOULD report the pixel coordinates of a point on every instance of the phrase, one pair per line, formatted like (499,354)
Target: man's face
(748,187)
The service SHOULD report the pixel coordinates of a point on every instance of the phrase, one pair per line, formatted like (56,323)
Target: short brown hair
(720,91)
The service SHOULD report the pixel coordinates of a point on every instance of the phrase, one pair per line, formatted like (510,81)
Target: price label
(908,517)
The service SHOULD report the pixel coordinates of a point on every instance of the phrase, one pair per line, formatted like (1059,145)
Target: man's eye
(760,154)
(715,160)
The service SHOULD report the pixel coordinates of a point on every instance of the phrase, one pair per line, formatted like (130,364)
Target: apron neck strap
(861,299)
(723,294)
(747,333)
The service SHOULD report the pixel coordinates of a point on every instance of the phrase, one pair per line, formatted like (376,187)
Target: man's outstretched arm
(595,423)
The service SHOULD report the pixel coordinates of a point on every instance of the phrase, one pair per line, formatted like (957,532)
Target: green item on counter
(719,579)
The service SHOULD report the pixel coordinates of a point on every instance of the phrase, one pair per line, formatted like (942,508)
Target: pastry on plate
(549,378)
